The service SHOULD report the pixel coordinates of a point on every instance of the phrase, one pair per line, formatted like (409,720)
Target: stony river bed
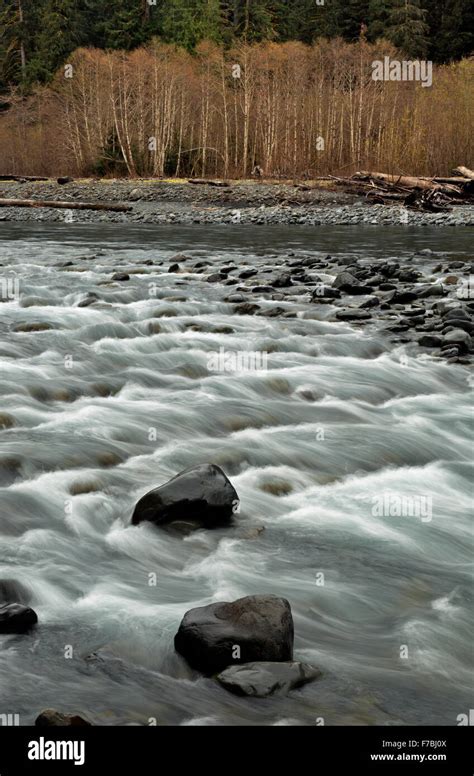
(324,370)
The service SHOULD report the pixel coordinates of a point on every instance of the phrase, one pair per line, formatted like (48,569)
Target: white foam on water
(80,454)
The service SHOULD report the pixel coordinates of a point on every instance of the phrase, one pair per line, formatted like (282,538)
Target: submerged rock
(53,718)
(16,618)
(353,315)
(6,420)
(12,590)
(31,327)
(260,680)
(216,277)
(246,308)
(274,312)
(120,277)
(90,299)
(255,628)
(202,494)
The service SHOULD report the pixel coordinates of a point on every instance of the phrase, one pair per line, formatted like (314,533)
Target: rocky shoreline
(242,202)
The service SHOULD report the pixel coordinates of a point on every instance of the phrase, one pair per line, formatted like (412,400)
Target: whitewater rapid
(111,400)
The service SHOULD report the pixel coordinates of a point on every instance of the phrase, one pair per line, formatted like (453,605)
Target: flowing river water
(117,397)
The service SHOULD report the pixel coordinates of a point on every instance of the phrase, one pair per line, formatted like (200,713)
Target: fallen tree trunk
(454,181)
(407,182)
(465,172)
(206,182)
(21,178)
(64,205)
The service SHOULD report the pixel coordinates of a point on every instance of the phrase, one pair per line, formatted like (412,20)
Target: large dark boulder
(260,680)
(16,618)
(256,628)
(202,494)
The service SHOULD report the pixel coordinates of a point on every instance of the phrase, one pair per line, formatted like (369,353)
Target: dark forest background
(36,36)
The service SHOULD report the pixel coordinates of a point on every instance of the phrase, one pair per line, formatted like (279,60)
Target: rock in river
(16,618)
(458,337)
(263,679)
(53,718)
(120,277)
(430,341)
(202,494)
(246,308)
(401,297)
(353,315)
(282,281)
(12,590)
(346,282)
(255,628)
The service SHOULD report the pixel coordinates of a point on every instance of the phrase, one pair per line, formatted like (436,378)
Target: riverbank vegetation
(290,109)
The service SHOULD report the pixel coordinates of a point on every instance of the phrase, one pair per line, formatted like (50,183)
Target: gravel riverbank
(246,202)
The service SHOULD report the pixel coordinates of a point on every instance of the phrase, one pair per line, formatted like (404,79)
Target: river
(111,400)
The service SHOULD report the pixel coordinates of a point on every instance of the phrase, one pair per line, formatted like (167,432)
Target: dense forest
(36,36)
(294,110)
(213,87)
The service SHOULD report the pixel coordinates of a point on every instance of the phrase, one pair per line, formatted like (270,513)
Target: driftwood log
(64,205)
(22,178)
(206,182)
(455,181)
(434,194)
(407,182)
(464,172)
